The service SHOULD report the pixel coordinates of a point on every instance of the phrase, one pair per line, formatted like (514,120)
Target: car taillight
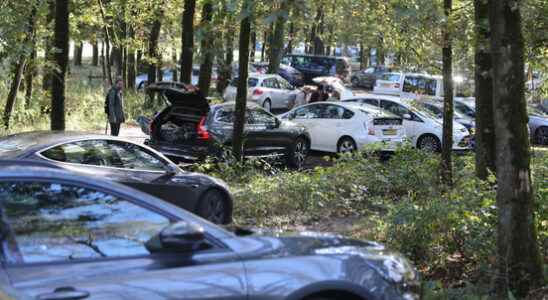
(370,129)
(257,92)
(203,134)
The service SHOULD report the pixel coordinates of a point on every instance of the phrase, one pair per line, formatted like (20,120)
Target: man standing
(115,107)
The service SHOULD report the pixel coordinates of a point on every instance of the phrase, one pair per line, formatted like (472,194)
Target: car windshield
(394,77)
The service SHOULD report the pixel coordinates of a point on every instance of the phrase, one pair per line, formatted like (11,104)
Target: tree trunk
(46,76)
(446,166)
(291,37)
(131,74)
(226,69)
(485,131)
(204,81)
(276,48)
(175,74)
(10,102)
(31,65)
(153,54)
(263,46)
(380,50)
(187,41)
(241,94)
(107,43)
(253,46)
(116,59)
(362,57)
(95,54)
(519,261)
(78,49)
(61,42)
(103,60)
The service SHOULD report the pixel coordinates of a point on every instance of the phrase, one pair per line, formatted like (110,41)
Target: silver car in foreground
(65,236)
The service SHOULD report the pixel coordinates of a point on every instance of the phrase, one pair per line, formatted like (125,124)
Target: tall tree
(30,71)
(12,95)
(153,55)
(106,42)
(447,60)
(47,71)
(187,41)
(78,51)
(241,94)
(61,44)
(519,261)
(95,53)
(485,131)
(204,80)
(276,48)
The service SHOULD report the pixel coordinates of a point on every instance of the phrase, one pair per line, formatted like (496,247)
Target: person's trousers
(114,129)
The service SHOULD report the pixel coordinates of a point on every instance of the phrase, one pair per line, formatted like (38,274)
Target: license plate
(389,131)
(387,85)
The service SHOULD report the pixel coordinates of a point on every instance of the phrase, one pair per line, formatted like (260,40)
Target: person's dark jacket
(116,106)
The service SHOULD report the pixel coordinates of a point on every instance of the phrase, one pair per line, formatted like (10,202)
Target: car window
(270,83)
(261,117)
(226,115)
(394,77)
(50,221)
(284,84)
(370,101)
(310,112)
(395,108)
(332,112)
(106,153)
(251,82)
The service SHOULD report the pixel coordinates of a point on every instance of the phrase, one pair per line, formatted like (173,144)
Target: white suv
(410,85)
(270,91)
(424,130)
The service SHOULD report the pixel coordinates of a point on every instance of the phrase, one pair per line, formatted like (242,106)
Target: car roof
(321,56)
(24,169)
(374,96)
(354,106)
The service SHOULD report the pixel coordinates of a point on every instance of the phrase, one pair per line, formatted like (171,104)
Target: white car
(269,91)
(345,127)
(424,130)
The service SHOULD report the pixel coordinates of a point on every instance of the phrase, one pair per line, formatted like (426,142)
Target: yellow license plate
(389,131)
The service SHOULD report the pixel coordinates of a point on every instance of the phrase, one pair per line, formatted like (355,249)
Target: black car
(189,129)
(66,236)
(367,78)
(125,162)
(292,75)
(312,66)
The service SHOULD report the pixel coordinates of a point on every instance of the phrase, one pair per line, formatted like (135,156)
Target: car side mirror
(171,170)
(406,116)
(178,237)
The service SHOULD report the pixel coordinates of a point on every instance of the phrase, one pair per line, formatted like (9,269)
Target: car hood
(268,244)
(538,119)
(178,95)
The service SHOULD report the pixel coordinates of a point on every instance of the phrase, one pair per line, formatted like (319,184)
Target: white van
(410,85)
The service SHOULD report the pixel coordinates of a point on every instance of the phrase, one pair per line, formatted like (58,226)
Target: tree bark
(276,48)
(131,72)
(204,80)
(187,41)
(518,260)
(226,69)
(175,74)
(95,53)
(291,37)
(380,50)
(107,43)
(241,94)
(253,46)
(31,65)
(485,131)
(153,54)
(10,102)
(78,47)
(46,76)
(103,60)
(61,43)
(263,46)
(446,166)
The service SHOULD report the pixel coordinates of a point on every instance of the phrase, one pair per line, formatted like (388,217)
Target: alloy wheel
(347,146)
(429,143)
(300,153)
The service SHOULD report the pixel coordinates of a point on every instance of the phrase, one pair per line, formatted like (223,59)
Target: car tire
(346,145)
(214,207)
(355,82)
(267,105)
(297,153)
(429,142)
(541,136)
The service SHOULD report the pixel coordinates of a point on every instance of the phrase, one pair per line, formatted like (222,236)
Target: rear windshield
(391,77)
(251,82)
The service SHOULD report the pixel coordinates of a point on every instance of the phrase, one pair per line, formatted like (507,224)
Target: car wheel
(267,105)
(355,81)
(541,136)
(429,142)
(346,145)
(297,154)
(213,207)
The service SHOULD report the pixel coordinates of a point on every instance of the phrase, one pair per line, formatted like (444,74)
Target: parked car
(346,127)
(67,236)
(125,162)
(269,91)
(189,129)
(142,79)
(292,75)
(436,108)
(312,66)
(423,129)
(388,84)
(366,78)
(538,126)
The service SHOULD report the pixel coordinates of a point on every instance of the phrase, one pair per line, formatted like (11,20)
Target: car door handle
(64,293)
